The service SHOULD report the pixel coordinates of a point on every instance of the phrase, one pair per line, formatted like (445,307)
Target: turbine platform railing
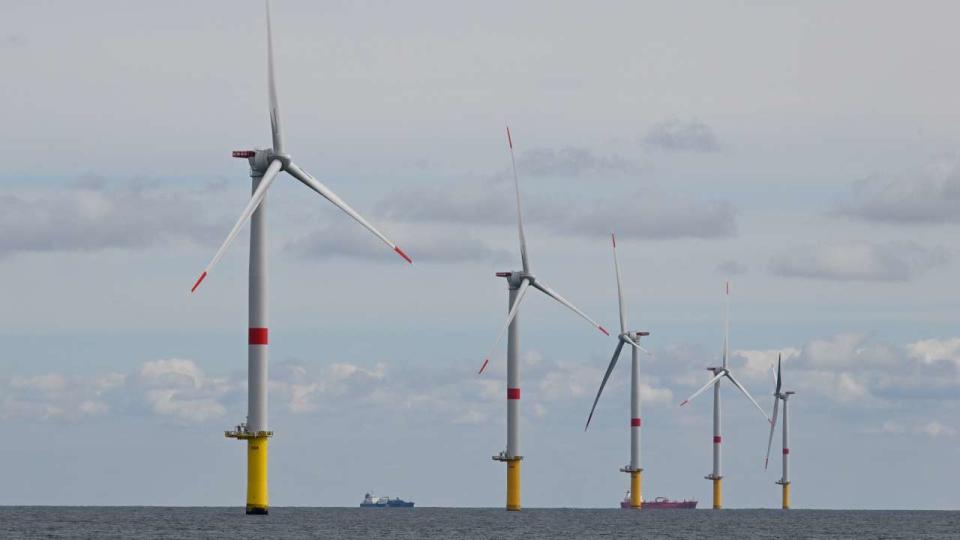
(241,432)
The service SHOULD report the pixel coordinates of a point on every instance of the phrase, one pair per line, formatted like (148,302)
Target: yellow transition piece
(636,498)
(258,497)
(513,484)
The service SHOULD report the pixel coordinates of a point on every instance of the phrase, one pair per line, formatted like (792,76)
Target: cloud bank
(928,195)
(682,136)
(856,261)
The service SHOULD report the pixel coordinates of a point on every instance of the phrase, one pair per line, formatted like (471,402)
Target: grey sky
(807,152)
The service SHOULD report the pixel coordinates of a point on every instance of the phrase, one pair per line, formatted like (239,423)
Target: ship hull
(662,504)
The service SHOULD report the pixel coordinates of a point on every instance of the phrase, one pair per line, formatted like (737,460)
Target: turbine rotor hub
(261,158)
(515,278)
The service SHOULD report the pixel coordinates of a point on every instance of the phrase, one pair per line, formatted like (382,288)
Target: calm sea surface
(153,522)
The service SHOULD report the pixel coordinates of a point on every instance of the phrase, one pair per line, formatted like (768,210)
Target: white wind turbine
(719,373)
(627,338)
(779,395)
(265,166)
(518,283)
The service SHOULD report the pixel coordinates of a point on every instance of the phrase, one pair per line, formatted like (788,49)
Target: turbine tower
(265,166)
(631,338)
(719,373)
(778,396)
(518,282)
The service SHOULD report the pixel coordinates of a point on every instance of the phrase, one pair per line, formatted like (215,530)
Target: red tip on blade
(402,254)
(604,330)
(728,288)
(509,138)
(614,238)
(197,284)
(244,153)
(684,402)
(766,462)
(484,366)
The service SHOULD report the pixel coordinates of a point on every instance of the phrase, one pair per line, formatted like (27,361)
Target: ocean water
(447,523)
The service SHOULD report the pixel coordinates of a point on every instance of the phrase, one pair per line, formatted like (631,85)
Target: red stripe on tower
(716,440)
(786,451)
(513,393)
(258,336)
(635,422)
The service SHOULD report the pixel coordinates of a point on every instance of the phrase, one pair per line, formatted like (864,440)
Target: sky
(806,153)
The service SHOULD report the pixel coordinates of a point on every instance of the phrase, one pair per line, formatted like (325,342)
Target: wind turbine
(629,338)
(265,166)
(720,373)
(518,283)
(779,395)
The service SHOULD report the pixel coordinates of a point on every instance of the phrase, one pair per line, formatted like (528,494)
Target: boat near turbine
(371,501)
(660,503)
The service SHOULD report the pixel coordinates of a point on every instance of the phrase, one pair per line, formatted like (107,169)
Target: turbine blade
(702,388)
(553,294)
(744,391)
(613,362)
(516,185)
(315,185)
(779,380)
(521,292)
(268,177)
(635,344)
(616,265)
(272,90)
(726,325)
(773,425)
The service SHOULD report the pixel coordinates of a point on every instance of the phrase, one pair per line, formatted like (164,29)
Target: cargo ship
(369,501)
(659,502)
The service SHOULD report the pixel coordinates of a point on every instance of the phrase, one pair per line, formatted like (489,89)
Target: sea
(450,523)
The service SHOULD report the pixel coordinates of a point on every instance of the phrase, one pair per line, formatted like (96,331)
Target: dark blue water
(446,523)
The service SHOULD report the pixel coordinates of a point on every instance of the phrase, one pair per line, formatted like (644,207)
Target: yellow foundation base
(636,495)
(786,496)
(513,485)
(258,498)
(717,493)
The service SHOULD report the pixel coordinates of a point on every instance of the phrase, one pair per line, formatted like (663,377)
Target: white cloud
(928,195)
(96,216)
(856,261)
(931,351)
(683,136)
(170,402)
(731,268)
(645,213)
(56,396)
(171,372)
(178,388)
(757,364)
(651,214)
(345,238)
(933,429)
(936,429)
(892,428)
(572,162)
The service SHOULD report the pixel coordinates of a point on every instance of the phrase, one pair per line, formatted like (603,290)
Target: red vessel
(659,502)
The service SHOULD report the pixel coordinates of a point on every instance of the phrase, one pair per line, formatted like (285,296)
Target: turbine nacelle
(261,158)
(632,335)
(516,277)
